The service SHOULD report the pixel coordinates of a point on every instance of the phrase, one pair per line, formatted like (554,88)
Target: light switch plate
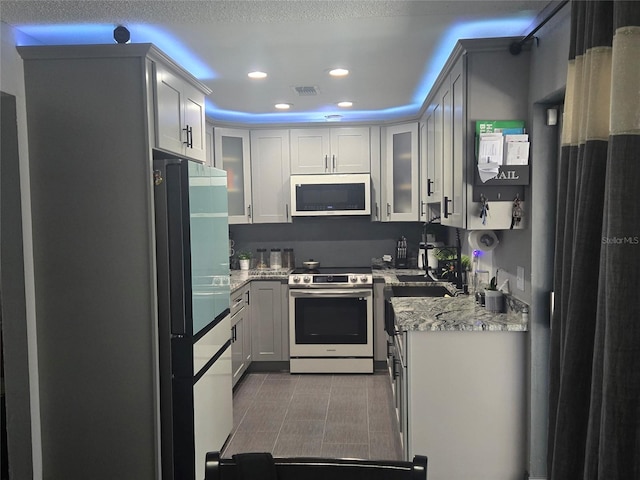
(520,278)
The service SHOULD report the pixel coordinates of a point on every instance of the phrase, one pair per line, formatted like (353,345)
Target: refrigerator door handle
(175,227)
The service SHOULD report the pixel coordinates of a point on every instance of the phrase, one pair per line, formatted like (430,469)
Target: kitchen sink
(416,278)
(419,291)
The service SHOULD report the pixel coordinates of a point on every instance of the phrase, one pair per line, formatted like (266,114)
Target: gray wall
(22,390)
(548,79)
(333,241)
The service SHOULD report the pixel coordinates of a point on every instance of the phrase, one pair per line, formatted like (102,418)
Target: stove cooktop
(326,277)
(332,271)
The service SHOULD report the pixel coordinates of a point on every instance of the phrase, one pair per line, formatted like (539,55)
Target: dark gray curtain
(594,398)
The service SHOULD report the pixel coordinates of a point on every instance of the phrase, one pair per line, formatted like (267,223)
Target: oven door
(331,322)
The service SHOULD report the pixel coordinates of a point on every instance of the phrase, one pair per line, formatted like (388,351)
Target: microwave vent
(306,91)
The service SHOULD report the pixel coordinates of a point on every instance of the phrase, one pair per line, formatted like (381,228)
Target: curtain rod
(516,47)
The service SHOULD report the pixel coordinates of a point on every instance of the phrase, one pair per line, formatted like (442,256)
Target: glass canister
(276,259)
(288,259)
(262,261)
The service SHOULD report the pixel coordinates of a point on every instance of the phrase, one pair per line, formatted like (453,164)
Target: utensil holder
(493,300)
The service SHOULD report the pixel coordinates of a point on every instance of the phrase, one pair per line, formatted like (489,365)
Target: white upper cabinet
(400,173)
(330,150)
(232,154)
(453,163)
(270,176)
(481,81)
(430,161)
(180,115)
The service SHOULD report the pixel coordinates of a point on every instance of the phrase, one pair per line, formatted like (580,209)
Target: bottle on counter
(275,259)
(288,259)
(262,262)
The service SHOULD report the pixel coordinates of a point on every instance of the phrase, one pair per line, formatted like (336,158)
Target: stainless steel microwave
(332,194)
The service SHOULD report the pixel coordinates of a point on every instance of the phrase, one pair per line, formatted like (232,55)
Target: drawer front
(238,300)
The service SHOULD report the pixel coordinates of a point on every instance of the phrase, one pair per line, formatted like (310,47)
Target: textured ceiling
(392,48)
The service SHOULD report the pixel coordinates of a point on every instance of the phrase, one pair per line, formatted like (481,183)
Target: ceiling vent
(307,91)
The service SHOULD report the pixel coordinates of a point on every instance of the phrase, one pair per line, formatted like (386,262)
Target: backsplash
(354,241)
(333,241)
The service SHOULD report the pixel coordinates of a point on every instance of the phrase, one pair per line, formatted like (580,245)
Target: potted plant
(446,262)
(465,261)
(245,260)
(493,297)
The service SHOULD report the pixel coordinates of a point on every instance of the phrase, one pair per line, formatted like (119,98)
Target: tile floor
(334,416)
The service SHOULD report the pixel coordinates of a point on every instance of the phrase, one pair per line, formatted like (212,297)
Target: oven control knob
(363,279)
(306,279)
(353,279)
(296,279)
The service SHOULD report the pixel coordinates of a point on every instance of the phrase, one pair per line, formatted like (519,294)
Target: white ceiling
(394,49)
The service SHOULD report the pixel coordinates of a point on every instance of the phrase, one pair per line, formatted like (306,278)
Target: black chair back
(305,468)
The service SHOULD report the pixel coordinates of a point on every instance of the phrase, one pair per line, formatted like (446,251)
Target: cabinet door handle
(377,211)
(388,210)
(233,334)
(189,142)
(326,163)
(333,158)
(429,183)
(248,302)
(249,211)
(422,210)
(286,208)
(446,207)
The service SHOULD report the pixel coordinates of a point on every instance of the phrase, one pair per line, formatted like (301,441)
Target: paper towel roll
(432,261)
(484,240)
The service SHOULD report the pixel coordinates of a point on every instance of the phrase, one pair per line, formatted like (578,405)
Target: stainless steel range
(331,320)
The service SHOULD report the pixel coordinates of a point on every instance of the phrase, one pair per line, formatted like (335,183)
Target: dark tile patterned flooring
(333,416)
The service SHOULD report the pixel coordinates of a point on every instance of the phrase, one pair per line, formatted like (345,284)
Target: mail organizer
(502,160)
(507,175)
(508,182)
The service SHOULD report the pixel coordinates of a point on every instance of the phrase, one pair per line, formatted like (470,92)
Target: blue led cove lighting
(81,34)
(77,34)
(464,30)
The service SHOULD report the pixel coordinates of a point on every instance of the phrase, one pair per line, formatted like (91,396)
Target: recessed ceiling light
(345,104)
(283,106)
(256,74)
(338,72)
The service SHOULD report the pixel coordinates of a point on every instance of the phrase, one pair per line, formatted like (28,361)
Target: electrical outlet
(520,278)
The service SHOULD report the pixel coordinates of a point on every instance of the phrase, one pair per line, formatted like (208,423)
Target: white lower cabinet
(240,332)
(466,403)
(270,321)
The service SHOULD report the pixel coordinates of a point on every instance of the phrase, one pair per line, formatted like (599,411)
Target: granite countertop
(239,278)
(456,313)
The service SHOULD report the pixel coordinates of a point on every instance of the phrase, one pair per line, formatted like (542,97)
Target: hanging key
(484,208)
(516,212)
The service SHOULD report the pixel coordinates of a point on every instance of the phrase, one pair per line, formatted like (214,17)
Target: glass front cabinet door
(231,153)
(401,174)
